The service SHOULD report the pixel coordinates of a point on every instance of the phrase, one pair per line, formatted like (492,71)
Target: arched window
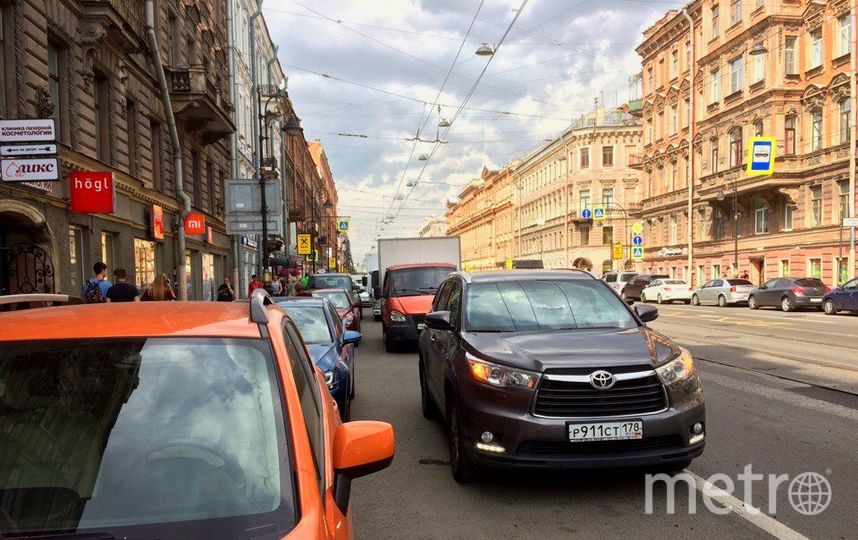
(789,136)
(736,147)
(713,142)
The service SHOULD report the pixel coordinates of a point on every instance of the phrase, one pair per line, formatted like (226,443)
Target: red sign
(195,223)
(91,192)
(157,222)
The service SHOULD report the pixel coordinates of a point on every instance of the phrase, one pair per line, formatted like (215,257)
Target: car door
(653,289)
(705,292)
(448,340)
(432,357)
(772,293)
(850,295)
(716,290)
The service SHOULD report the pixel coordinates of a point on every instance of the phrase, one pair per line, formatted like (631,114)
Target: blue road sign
(637,240)
(586,213)
(599,213)
(343,225)
(761,161)
(637,253)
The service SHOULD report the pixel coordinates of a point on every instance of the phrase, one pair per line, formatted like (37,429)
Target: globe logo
(809,493)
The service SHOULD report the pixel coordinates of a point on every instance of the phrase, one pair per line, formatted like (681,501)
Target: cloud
(555,62)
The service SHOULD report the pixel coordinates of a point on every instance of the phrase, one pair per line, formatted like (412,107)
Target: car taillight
(732,289)
(826,290)
(798,290)
(667,288)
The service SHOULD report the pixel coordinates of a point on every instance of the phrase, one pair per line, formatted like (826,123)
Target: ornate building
(795,88)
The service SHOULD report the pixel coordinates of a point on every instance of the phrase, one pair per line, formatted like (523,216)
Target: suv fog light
(697,428)
(697,434)
(487,436)
(496,448)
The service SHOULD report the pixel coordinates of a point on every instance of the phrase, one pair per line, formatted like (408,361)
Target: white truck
(398,251)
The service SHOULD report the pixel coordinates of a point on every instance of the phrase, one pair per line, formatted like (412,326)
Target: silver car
(723,292)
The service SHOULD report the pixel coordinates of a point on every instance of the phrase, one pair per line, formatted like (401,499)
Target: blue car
(843,298)
(329,343)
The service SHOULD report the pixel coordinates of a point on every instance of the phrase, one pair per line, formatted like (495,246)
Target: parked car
(365,298)
(537,369)
(376,310)
(17,302)
(667,290)
(618,280)
(723,292)
(633,289)
(176,420)
(330,345)
(341,301)
(843,298)
(788,294)
(336,281)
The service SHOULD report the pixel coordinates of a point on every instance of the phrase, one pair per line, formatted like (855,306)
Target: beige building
(796,90)
(436,226)
(585,168)
(484,220)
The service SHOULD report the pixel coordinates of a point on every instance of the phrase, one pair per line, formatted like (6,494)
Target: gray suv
(539,369)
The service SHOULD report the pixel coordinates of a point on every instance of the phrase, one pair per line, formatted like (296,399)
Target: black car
(789,294)
(540,369)
(634,288)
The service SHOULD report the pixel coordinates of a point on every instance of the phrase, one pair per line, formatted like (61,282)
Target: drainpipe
(177,148)
(691,129)
(853,136)
(254,95)
(234,172)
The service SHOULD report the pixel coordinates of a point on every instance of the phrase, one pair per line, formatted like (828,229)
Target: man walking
(122,291)
(95,289)
(254,284)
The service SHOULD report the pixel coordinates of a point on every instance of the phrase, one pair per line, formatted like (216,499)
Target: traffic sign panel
(303,244)
(637,228)
(586,213)
(637,240)
(28,150)
(342,225)
(761,159)
(637,253)
(617,252)
(598,213)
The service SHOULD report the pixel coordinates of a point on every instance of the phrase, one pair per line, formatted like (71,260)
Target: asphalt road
(777,411)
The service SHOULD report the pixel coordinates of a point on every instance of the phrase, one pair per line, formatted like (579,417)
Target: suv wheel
(722,301)
(829,307)
(427,404)
(695,300)
(461,466)
(659,299)
(752,302)
(786,304)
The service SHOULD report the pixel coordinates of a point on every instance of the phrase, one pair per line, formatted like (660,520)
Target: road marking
(758,518)
(792,319)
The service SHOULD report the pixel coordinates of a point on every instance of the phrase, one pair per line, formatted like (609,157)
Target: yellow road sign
(618,252)
(637,228)
(303,244)
(508,264)
(332,263)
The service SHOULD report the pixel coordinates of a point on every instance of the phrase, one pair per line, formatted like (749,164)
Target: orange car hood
(413,305)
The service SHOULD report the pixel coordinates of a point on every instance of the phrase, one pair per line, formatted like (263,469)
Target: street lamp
(721,196)
(758,50)
(484,50)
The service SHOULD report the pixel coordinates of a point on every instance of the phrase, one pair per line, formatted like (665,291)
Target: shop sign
(91,192)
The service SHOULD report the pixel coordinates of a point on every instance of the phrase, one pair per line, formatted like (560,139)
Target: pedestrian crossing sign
(342,225)
(598,213)
(637,253)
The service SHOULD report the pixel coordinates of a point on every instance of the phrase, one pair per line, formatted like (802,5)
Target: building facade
(436,226)
(587,167)
(324,198)
(796,89)
(88,66)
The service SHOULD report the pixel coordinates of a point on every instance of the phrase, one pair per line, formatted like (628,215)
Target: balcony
(636,108)
(120,21)
(200,103)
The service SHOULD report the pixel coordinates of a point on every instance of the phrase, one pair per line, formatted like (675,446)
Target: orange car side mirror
(360,448)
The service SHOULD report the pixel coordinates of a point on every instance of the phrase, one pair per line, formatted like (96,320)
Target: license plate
(607,431)
(816,299)
(421,326)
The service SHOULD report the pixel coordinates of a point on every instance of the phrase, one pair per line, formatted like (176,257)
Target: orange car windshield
(143,437)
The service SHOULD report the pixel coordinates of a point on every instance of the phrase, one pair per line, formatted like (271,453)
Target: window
(790,64)
(650,133)
(759,68)
(688,113)
(155,147)
(761,217)
(716,271)
(737,75)
(607,156)
(650,81)
(841,273)
(674,65)
(583,199)
(717,224)
(701,276)
(788,211)
(145,264)
(758,128)
(816,205)
(131,134)
(815,49)
(713,142)
(674,119)
(108,255)
(735,11)
(784,267)
(716,20)
(585,236)
(608,198)
(101,104)
(736,147)
(845,35)
(196,180)
(714,87)
(76,265)
(814,268)
(210,186)
(585,158)
(688,55)
(789,136)
(843,195)
(816,129)
(57,84)
(845,117)
(674,229)
(607,236)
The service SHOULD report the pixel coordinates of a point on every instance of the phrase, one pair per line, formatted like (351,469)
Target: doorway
(758,271)
(26,254)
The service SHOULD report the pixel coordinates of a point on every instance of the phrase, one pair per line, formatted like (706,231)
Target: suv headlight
(396,316)
(331,379)
(680,368)
(501,376)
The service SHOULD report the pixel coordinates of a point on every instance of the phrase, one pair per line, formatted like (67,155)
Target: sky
(365,75)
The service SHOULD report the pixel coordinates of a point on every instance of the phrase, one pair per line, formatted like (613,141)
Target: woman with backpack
(160,290)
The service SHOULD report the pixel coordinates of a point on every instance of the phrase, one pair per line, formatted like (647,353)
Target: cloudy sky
(364,75)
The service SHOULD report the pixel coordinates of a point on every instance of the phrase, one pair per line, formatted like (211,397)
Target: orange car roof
(226,319)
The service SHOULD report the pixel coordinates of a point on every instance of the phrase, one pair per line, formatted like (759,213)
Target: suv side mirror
(360,448)
(439,320)
(646,313)
(351,337)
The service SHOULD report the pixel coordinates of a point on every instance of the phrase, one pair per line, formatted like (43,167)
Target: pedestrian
(160,290)
(225,293)
(276,287)
(254,284)
(122,291)
(95,289)
(745,275)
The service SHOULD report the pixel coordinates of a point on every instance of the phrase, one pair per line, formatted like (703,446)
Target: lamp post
(721,196)
(625,220)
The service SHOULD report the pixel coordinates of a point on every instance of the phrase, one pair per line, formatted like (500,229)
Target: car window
(339,328)
(656,283)
(610,278)
(717,283)
(735,282)
(303,372)
(809,282)
(626,276)
(312,324)
(330,282)
(851,284)
(128,434)
(674,282)
(420,280)
(339,299)
(454,305)
(770,284)
(544,305)
(440,302)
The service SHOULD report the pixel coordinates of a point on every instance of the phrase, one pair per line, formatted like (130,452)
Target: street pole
(735,228)
(254,91)
(263,128)
(313,235)
(853,136)
(691,127)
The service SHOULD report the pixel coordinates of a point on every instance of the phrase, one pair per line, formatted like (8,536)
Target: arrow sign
(586,213)
(28,150)
(637,240)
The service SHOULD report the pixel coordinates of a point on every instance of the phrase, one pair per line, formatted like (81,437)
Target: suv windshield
(424,280)
(519,306)
(312,324)
(149,437)
(330,282)
(339,299)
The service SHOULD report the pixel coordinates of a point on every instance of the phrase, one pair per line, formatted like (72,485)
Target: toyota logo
(602,380)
